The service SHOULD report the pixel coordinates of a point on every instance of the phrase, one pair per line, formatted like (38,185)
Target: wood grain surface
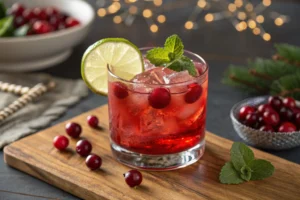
(36,156)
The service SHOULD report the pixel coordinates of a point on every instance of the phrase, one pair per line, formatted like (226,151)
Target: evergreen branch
(288,85)
(280,58)
(289,52)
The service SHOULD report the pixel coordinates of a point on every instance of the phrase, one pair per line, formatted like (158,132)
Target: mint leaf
(229,175)
(158,56)
(246,173)
(6,26)
(174,45)
(261,169)
(241,155)
(183,63)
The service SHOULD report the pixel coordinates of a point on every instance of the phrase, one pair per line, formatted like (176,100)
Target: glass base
(158,162)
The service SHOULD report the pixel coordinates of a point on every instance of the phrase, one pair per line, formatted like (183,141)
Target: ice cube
(153,76)
(148,65)
(151,121)
(178,77)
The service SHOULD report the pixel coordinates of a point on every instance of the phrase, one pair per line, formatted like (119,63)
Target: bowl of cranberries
(35,34)
(268,122)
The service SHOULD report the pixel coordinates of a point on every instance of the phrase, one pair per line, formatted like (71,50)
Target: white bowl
(42,51)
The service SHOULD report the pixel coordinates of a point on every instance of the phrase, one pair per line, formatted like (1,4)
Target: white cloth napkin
(40,113)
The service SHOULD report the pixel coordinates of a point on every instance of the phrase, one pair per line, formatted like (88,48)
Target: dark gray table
(218,43)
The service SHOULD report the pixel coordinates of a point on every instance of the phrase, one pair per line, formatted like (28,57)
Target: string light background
(242,14)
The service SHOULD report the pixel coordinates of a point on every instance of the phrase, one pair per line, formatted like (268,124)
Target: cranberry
(63,16)
(83,147)
(28,15)
(286,114)
(267,128)
(159,98)
(61,26)
(93,161)
(251,119)
(271,118)
(16,9)
(287,127)
(264,107)
(73,129)
(19,21)
(120,90)
(244,111)
(51,11)
(55,22)
(275,102)
(297,119)
(40,13)
(260,121)
(70,22)
(60,142)
(193,94)
(289,102)
(133,178)
(42,27)
(93,121)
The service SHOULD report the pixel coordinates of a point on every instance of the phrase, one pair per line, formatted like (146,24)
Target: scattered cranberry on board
(279,114)
(133,178)
(61,142)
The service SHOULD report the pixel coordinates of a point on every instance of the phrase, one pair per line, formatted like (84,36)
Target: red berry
(286,114)
(120,90)
(70,22)
(297,119)
(51,11)
(244,111)
(289,102)
(19,21)
(40,13)
(16,9)
(133,178)
(60,142)
(42,27)
(267,128)
(28,15)
(271,118)
(83,147)
(264,107)
(251,119)
(61,26)
(63,16)
(159,98)
(93,161)
(275,102)
(287,127)
(55,22)
(93,121)
(73,129)
(193,94)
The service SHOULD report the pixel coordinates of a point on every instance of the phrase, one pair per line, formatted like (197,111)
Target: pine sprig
(265,76)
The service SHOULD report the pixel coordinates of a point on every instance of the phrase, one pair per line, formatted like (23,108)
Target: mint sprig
(244,167)
(171,56)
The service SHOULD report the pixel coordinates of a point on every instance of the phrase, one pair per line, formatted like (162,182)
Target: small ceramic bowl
(42,51)
(262,139)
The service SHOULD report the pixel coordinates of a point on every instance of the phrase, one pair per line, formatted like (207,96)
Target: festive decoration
(241,13)
(280,76)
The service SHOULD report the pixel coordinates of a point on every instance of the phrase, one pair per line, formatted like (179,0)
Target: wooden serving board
(36,156)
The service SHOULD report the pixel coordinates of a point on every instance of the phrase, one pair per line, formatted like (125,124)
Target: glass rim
(169,84)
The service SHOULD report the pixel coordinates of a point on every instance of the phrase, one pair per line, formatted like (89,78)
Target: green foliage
(265,76)
(2,10)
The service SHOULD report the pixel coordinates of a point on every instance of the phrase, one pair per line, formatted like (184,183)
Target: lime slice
(123,57)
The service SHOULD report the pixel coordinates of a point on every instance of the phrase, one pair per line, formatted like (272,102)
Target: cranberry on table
(83,147)
(61,142)
(42,27)
(287,127)
(93,121)
(275,102)
(193,94)
(159,98)
(133,178)
(73,129)
(16,9)
(271,118)
(267,128)
(251,119)
(286,114)
(264,107)
(71,22)
(120,90)
(93,161)
(289,102)
(244,111)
